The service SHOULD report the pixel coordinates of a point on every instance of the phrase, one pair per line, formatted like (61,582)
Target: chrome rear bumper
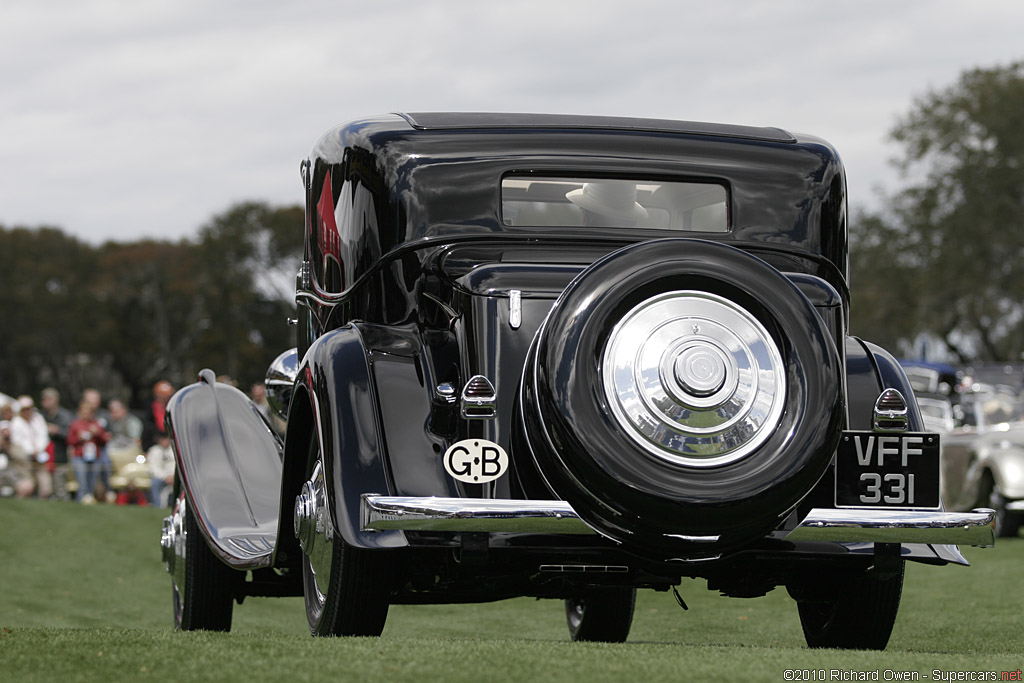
(897,526)
(380,513)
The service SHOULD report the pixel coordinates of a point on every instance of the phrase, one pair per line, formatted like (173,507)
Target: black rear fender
(335,402)
(871,369)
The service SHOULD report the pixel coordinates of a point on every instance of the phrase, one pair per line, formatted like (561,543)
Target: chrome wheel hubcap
(693,378)
(314,530)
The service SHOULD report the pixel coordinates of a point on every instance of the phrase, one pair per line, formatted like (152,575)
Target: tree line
(123,315)
(943,260)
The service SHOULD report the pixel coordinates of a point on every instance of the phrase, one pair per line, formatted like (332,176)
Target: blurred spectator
(125,429)
(258,394)
(154,421)
(160,457)
(125,447)
(86,438)
(94,397)
(101,416)
(15,475)
(131,495)
(6,414)
(58,419)
(30,443)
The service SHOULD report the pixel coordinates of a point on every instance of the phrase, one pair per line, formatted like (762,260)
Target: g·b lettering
(475,461)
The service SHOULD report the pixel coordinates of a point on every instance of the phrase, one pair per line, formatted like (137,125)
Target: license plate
(888,470)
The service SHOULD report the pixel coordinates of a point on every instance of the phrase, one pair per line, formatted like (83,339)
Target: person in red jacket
(153,423)
(86,438)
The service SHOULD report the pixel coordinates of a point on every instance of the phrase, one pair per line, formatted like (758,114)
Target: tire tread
(207,597)
(861,617)
(607,616)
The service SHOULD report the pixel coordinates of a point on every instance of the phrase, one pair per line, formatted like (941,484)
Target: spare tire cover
(682,395)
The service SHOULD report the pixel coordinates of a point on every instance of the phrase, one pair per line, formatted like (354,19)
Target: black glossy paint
(416,294)
(418,187)
(423,247)
(419,295)
(338,387)
(426,259)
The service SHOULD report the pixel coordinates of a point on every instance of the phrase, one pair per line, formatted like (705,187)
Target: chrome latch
(479,400)
(890,413)
(515,308)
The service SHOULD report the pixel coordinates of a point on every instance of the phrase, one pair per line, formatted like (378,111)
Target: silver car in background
(983,457)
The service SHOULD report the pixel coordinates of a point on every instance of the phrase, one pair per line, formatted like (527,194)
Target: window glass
(557,202)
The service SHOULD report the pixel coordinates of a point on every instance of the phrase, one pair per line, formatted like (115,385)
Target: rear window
(604,202)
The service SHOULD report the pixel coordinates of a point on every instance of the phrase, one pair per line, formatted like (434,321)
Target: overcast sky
(125,120)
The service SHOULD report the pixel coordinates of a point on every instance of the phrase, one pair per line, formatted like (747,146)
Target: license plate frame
(888,470)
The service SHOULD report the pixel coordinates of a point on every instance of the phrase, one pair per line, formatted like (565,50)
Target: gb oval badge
(475,461)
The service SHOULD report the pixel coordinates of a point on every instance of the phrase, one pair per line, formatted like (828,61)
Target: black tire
(1007,523)
(860,616)
(357,594)
(601,616)
(205,600)
(587,458)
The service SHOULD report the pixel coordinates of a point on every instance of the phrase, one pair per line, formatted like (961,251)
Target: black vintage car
(564,357)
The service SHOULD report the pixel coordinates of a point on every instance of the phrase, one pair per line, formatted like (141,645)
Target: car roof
(435,178)
(476,120)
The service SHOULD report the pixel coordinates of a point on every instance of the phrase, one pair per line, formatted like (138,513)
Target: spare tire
(682,395)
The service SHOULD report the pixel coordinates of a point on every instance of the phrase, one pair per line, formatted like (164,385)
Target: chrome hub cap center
(701,370)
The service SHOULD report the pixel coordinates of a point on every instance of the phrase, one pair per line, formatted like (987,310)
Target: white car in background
(983,457)
(937,413)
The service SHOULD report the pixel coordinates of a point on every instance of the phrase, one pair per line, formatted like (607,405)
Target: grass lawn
(83,596)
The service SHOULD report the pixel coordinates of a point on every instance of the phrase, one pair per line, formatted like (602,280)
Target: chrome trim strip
(896,526)
(584,568)
(694,539)
(301,297)
(380,513)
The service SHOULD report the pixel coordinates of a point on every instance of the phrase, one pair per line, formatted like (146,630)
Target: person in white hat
(608,203)
(30,439)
